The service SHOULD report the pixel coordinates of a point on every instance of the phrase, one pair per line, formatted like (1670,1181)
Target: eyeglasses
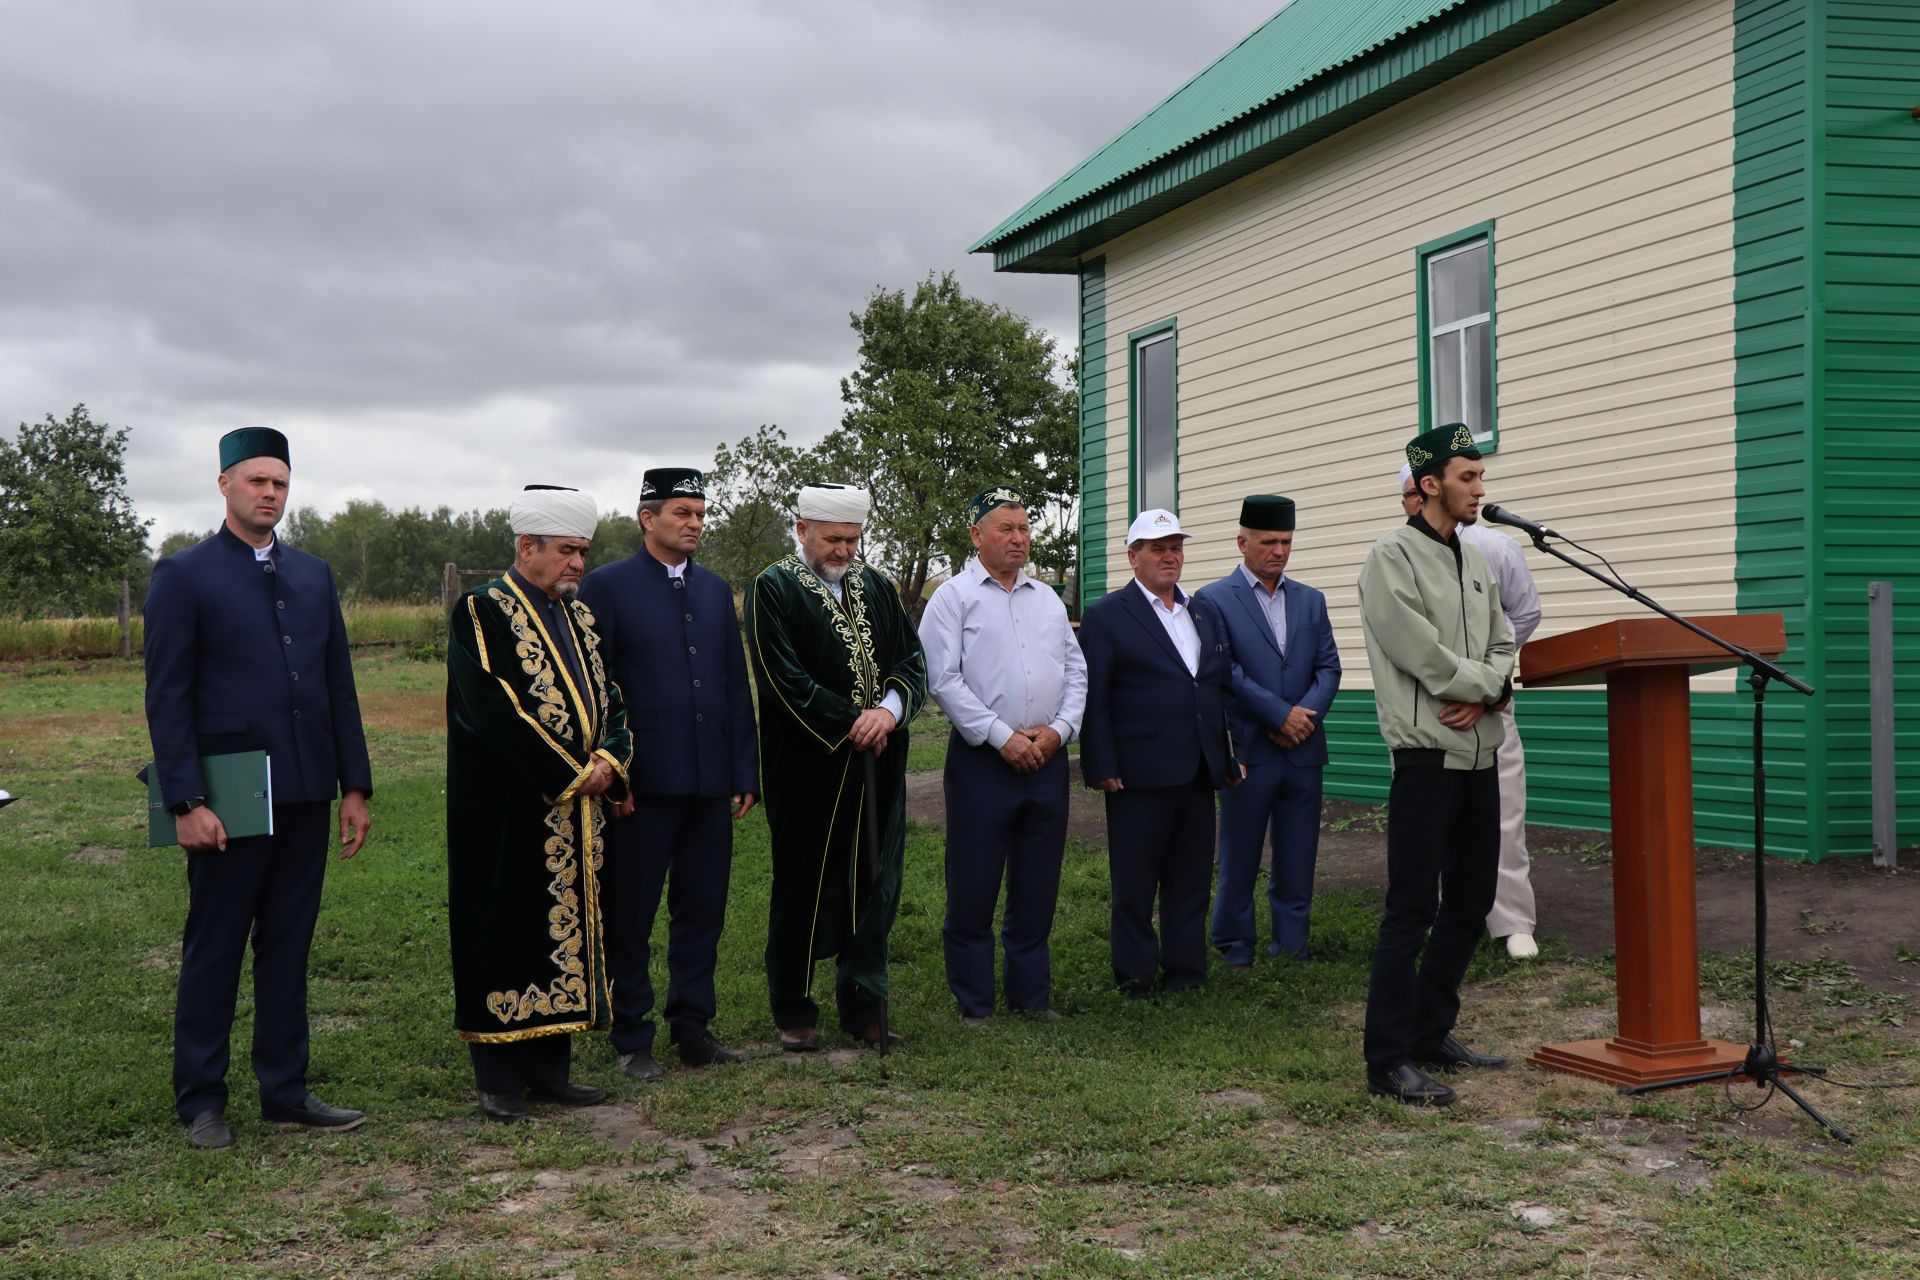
(1411,493)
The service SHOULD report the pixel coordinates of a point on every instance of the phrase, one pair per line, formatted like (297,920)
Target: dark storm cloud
(463,234)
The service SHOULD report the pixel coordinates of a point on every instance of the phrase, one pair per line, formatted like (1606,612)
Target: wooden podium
(1645,663)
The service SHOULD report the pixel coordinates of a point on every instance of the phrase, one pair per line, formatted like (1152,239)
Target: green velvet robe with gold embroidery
(818,662)
(524,847)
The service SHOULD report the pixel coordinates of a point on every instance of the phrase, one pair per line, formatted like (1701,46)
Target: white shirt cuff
(1064,729)
(999,734)
(893,703)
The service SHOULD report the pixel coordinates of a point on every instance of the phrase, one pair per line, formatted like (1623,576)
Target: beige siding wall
(1604,156)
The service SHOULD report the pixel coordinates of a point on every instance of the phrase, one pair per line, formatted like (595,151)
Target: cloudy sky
(453,246)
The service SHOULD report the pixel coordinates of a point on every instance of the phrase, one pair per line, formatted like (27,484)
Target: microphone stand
(1763,1065)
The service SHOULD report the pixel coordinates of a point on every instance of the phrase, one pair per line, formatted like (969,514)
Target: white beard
(568,590)
(830,572)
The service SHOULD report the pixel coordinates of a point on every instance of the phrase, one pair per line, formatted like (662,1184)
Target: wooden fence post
(449,587)
(126,619)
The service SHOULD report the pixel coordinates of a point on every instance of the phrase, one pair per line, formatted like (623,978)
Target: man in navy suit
(1285,673)
(246,651)
(672,638)
(1154,738)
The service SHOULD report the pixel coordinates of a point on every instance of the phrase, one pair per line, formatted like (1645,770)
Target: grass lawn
(1220,1133)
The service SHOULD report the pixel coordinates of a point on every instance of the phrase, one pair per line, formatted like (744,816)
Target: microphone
(1500,515)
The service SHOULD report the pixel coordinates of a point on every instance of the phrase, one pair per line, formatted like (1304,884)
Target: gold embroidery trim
(513,698)
(568,992)
(530,614)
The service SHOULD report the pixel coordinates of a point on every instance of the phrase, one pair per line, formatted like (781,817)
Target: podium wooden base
(1620,1061)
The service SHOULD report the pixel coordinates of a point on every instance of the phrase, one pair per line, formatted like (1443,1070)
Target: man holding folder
(246,651)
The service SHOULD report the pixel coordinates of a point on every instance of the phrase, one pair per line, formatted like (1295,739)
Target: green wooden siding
(1868,409)
(1094,489)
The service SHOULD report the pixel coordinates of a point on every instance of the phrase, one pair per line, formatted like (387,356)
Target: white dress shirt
(263,554)
(1001,660)
(1179,624)
(1519,598)
(1272,603)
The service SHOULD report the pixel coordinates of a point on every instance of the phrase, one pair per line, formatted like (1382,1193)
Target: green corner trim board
(1826,239)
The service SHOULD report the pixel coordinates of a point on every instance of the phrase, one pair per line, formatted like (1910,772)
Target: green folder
(239,791)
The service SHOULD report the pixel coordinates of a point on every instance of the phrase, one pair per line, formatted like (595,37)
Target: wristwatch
(186,807)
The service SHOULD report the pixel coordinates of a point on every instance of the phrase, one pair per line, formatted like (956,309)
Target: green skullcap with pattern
(998,496)
(252,442)
(1438,445)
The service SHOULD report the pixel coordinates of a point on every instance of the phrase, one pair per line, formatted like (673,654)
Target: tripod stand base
(1623,1062)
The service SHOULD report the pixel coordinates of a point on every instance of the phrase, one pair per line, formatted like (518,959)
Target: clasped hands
(1295,729)
(1028,750)
(870,730)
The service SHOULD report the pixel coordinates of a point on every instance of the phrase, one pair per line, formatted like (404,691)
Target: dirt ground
(1845,908)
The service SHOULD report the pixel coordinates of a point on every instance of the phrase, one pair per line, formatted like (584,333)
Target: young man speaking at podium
(1441,655)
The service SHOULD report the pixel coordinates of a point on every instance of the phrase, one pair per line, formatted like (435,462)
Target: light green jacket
(1435,634)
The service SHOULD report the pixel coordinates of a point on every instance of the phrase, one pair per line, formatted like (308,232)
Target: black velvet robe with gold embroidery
(524,848)
(819,662)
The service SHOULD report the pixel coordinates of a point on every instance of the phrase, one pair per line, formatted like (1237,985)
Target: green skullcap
(982,503)
(1266,511)
(1438,445)
(252,442)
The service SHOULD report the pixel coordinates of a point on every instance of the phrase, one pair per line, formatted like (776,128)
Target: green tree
(952,395)
(68,531)
(180,540)
(750,491)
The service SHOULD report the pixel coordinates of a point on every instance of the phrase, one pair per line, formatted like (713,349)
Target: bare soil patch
(1843,909)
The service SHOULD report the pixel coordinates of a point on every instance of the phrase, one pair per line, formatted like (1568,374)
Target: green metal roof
(1315,67)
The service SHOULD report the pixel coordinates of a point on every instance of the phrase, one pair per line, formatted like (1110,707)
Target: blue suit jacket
(1266,686)
(675,651)
(240,658)
(1149,722)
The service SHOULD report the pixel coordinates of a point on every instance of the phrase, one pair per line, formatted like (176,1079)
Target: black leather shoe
(871,1037)
(570,1095)
(640,1066)
(208,1131)
(705,1051)
(315,1114)
(800,1040)
(504,1107)
(1407,1083)
(1450,1053)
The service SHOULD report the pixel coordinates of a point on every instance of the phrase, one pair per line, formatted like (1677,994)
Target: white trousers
(1513,898)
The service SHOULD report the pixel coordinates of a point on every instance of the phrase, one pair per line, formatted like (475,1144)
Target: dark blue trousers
(510,1068)
(1285,798)
(263,889)
(1001,824)
(686,844)
(1443,864)
(1160,843)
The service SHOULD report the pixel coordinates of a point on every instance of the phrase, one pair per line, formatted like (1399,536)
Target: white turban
(550,512)
(1406,474)
(834,504)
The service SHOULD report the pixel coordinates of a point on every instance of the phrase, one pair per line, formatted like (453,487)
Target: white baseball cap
(1155,522)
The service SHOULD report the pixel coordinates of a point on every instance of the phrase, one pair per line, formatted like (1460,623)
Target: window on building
(1457,334)
(1156,481)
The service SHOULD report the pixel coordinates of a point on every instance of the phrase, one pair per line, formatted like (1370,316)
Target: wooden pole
(449,587)
(126,619)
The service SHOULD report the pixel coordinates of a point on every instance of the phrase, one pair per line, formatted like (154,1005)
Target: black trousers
(509,1068)
(263,889)
(1160,842)
(1001,824)
(686,844)
(1443,864)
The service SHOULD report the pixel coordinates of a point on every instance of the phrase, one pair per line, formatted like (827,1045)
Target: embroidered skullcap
(552,511)
(834,504)
(672,482)
(1439,445)
(252,442)
(993,499)
(1267,511)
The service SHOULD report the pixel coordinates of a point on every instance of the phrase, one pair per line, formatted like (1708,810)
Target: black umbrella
(870,855)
